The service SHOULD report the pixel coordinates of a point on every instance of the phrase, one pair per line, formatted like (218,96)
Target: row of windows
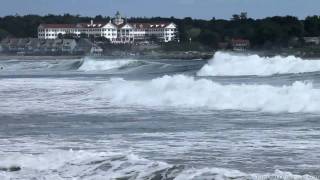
(74,30)
(42,35)
(125,30)
(109,30)
(160,29)
(114,34)
(162,34)
(111,34)
(104,34)
(169,34)
(51,35)
(122,39)
(99,30)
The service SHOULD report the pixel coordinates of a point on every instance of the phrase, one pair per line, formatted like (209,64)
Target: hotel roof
(58,25)
(78,25)
(137,25)
(150,25)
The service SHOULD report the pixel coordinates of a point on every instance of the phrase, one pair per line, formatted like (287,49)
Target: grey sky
(205,9)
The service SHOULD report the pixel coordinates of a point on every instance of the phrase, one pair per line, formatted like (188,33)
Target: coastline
(158,55)
(190,55)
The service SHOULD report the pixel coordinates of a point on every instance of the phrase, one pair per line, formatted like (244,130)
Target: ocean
(232,117)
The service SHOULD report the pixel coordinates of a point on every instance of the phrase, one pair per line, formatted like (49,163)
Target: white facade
(52,31)
(117,31)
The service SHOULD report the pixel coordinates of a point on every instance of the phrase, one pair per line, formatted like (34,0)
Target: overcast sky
(204,9)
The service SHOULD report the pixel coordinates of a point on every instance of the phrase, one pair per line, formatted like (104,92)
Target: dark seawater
(160,119)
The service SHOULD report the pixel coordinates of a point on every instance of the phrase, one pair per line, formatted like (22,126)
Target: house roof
(78,25)
(58,25)
(122,25)
(89,25)
(137,25)
(150,25)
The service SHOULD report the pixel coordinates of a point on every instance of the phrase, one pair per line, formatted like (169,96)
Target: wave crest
(188,92)
(103,65)
(226,64)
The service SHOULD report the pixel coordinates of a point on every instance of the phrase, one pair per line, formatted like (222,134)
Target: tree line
(270,32)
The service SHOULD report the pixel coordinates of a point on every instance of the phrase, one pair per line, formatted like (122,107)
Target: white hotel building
(117,30)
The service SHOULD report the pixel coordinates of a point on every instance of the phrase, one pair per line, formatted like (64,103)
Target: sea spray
(226,64)
(188,92)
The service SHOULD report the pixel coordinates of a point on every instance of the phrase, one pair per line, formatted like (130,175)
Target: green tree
(312,26)
(209,38)
(3,34)
(193,33)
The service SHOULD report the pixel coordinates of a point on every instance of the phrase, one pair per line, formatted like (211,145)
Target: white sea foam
(178,91)
(90,165)
(226,64)
(102,65)
(60,164)
(188,92)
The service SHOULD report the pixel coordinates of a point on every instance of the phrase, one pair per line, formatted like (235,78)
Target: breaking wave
(103,65)
(62,164)
(188,92)
(86,64)
(226,64)
(40,65)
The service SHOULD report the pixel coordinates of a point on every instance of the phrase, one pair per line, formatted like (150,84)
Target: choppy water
(165,119)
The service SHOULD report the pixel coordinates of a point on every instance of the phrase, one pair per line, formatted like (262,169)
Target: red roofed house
(240,44)
(117,30)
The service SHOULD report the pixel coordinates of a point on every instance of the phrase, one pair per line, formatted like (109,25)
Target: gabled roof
(150,25)
(111,24)
(89,25)
(79,25)
(123,25)
(137,25)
